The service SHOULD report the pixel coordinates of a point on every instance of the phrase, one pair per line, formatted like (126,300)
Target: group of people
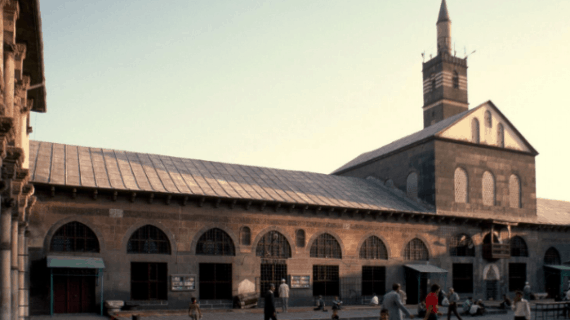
(269,308)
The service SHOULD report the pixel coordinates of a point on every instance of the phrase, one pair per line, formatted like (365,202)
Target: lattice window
(373,280)
(416,250)
(552,257)
(245,236)
(273,245)
(412,185)
(326,246)
(455,79)
(515,191)
(215,281)
(501,135)
(461,246)
(148,239)
(326,281)
(461,186)
(373,248)
(488,119)
(475,130)
(300,238)
(215,242)
(518,247)
(74,237)
(148,281)
(488,189)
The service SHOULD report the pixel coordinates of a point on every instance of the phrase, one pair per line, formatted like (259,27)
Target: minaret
(445,77)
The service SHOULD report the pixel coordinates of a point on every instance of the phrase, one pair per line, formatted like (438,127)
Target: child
(194,310)
(384,314)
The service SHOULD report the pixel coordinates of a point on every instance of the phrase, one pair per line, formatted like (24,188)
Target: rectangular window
(463,277)
(517,276)
(325,281)
(373,280)
(215,281)
(149,281)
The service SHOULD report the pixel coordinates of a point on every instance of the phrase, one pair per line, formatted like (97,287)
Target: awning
(74,262)
(564,269)
(425,268)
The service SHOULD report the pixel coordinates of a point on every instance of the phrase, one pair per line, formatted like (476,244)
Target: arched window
(416,250)
(245,236)
(215,242)
(373,249)
(148,239)
(488,119)
(412,185)
(74,237)
(461,186)
(488,189)
(518,247)
(326,246)
(515,191)
(273,245)
(501,135)
(300,238)
(455,79)
(475,130)
(461,246)
(552,257)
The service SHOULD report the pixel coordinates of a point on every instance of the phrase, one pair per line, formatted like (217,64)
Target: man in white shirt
(284,295)
(374,301)
(521,307)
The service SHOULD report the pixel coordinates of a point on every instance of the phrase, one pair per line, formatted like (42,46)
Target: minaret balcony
(492,251)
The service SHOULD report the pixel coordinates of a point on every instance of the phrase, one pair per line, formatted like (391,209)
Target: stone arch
(425,242)
(245,236)
(487,272)
(261,233)
(552,257)
(488,119)
(519,248)
(207,227)
(461,185)
(333,234)
(475,131)
(376,234)
(53,229)
(489,188)
(461,247)
(171,237)
(501,135)
(412,184)
(515,194)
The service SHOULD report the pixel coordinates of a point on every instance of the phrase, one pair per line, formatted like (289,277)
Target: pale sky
(299,85)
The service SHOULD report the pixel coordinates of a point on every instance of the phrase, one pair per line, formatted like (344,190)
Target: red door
(74,294)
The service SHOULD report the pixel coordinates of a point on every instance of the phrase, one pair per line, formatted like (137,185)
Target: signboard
(183,282)
(300,282)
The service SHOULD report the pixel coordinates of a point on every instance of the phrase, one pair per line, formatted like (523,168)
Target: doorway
(412,286)
(215,281)
(74,290)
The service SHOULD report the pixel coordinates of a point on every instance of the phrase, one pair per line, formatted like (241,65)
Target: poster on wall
(183,282)
(300,282)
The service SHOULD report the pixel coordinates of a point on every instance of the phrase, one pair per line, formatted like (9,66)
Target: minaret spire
(443,30)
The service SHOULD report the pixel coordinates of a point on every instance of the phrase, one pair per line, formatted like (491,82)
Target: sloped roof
(553,212)
(403,142)
(66,165)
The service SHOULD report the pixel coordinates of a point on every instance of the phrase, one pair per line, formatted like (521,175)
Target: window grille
(416,250)
(552,257)
(515,191)
(488,189)
(325,281)
(373,248)
(461,246)
(475,130)
(463,277)
(215,242)
(272,273)
(488,119)
(461,186)
(517,276)
(373,280)
(455,79)
(148,239)
(149,281)
(501,135)
(326,246)
(245,236)
(74,237)
(300,238)
(412,185)
(518,247)
(215,281)
(273,245)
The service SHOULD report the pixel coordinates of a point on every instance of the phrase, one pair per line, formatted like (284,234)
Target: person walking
(403,296)
(269,308)
(194,311)
(526,291)
(431,303)
(521,307)
(393,304)
(453,300)
(284,295)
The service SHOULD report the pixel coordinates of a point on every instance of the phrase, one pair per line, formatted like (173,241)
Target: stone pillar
(5,265)
(22,266)
(9,68)
(14,267)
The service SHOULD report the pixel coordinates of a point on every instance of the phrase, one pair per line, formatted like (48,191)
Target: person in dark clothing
(506,302)
(269,309)
(320,304)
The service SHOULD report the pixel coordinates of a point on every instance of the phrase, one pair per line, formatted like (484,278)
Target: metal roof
(74,262)
(66,165)
(558,267)
(553,212)
(425,268)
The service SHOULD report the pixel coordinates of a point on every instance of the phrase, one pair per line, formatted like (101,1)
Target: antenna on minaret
(423,56)
(469,54)
(454,51)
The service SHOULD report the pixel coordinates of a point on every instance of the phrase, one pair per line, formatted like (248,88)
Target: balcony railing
(496,251)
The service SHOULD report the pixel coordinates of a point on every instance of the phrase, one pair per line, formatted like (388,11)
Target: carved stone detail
(20,52)
(7,126)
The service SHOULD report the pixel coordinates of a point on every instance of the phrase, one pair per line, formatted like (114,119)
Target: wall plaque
(183,282)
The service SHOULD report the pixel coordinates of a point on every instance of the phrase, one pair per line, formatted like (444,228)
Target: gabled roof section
(443,14)
(66,165)
(554,212)
(403,142)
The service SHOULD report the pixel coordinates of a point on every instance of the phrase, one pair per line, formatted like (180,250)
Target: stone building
(454,203)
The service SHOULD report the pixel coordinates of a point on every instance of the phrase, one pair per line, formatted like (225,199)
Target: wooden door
(74,294)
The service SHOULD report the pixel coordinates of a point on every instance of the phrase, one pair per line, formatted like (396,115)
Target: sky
(297,85)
